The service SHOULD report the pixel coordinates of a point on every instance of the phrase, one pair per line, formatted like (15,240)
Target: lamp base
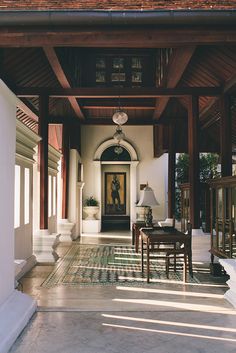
(148,218)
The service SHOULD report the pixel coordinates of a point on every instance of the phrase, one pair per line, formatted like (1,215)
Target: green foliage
(91,201)
(182,168)
(208,166)
(208,170)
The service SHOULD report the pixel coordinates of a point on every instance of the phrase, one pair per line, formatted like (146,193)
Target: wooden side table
(135,233)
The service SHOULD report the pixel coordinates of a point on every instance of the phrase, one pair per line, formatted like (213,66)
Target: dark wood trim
(223,181)
(226,89)
(225,136)
(193,150)
(114,92)
(178,64)
(60,75)
(75,136)
(110,37)
(65,170)
(171,172)
(43,160)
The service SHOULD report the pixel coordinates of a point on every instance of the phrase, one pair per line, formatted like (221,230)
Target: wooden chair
(183,251)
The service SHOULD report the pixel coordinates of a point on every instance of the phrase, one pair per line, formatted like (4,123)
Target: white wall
(7,163)
(149,169)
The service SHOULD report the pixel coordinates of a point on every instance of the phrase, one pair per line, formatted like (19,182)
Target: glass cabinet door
(220,219)
(213,219)
(233,216)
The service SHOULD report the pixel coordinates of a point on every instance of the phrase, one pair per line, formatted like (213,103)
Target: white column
(15,308)
(80,186)
(230,267)
(94,226)
(45,241)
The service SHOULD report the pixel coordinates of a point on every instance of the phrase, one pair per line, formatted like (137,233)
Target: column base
(65,229)
(23,266)
(91,226)
(230,267)
(44,246)
(15,313)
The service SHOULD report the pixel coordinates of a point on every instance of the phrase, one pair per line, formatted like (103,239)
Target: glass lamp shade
(120,117)
(119,135)
(147,198)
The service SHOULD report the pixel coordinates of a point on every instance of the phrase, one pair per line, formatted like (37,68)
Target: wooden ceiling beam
(115,107)
(60,75)
(110,37)
(28,109)
(226,89)
(114,92)
(108,121)
(178,64)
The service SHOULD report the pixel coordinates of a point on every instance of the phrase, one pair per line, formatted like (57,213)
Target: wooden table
(161,237)
(136,233)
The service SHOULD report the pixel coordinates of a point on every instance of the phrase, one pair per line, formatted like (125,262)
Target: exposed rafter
(57,68)
(226,89)
(114,92)
(178,63)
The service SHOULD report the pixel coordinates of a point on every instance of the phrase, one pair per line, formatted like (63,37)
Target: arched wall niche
(132,174)
(111,142)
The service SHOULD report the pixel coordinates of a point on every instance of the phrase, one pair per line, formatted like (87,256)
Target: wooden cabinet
(223,217)
(204,206)
(185,208)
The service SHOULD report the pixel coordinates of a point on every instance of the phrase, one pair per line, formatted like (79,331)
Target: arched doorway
(116,164)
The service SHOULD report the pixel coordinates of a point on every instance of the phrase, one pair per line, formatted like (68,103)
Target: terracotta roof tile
(116,4)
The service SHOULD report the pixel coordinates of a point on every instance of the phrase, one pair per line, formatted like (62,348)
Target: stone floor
(160,317)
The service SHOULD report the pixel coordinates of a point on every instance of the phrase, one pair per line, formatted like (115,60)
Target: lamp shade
(147,197)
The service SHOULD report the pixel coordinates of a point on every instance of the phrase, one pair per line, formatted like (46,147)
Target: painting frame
(115,193)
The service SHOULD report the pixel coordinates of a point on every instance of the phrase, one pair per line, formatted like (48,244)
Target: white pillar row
(80,185)
(45,241)
(16,308)
(70,228)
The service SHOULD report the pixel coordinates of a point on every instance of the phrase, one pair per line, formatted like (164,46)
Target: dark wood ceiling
(209,66)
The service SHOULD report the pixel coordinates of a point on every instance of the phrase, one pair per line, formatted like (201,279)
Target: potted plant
(91,207)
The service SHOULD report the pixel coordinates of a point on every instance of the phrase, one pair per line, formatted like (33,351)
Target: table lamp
(147,200)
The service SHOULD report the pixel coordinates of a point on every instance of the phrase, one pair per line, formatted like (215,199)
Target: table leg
(137,234)
(148,264)
(185,269)
(133,235)
(174,258)
(190,264)
(142,255)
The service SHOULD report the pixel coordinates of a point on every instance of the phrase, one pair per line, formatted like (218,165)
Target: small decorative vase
(91,212)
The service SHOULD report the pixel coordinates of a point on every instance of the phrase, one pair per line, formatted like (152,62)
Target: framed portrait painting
(115,193)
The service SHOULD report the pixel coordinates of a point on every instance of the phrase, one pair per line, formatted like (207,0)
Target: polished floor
(161,317)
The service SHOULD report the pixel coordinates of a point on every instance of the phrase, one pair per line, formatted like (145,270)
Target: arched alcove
(111,142)
(115,153)
(129,162)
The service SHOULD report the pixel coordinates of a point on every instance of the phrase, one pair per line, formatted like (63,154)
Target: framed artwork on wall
(115,193)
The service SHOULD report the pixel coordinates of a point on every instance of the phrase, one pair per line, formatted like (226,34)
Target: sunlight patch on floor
(171,332)
(170,323)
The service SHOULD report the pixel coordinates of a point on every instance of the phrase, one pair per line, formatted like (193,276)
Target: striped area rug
(105,264)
